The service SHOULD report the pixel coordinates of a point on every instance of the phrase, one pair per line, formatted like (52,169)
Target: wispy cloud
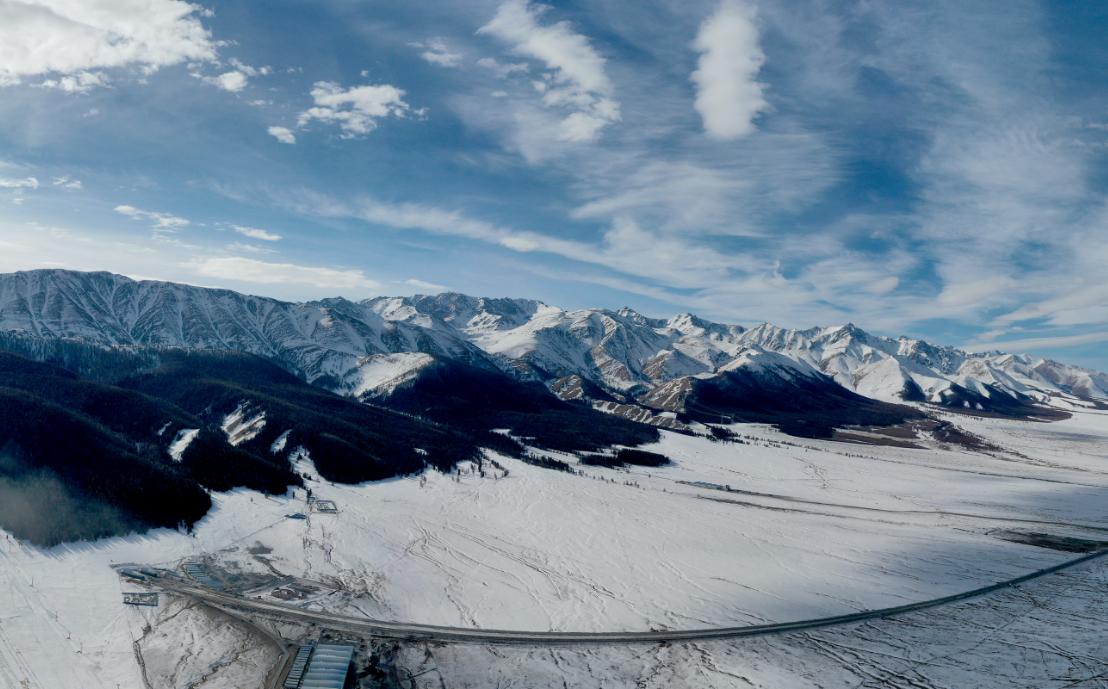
(256,233)
(67,182)
(1033,343)
(437,52)
(574,78)
(501,69)
(249,270)
(18,183)
(429,287)
(160,222)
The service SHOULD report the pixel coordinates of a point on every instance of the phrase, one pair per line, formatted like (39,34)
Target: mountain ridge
(625,353)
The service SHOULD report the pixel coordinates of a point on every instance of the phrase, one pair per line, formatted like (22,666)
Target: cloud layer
(71,39)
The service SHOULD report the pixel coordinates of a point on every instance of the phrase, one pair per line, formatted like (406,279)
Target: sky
(931,169)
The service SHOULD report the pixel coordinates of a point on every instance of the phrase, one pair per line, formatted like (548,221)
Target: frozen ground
(770,529)
(1048,634)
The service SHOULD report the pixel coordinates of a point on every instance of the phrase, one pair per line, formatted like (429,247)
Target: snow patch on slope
(759,361)
(279,443)
(181,442)
(381,374)
(243,424)
(301,461)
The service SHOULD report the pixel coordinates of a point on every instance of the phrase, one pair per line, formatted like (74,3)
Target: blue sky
(931,169)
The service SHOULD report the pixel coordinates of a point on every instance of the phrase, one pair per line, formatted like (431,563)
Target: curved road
(428,632)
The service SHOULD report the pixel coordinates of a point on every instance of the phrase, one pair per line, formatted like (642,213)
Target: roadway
(426,632)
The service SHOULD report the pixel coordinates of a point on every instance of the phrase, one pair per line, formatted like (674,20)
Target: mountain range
(126,401)
(369,347)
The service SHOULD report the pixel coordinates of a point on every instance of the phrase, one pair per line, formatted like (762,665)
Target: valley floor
(771,528)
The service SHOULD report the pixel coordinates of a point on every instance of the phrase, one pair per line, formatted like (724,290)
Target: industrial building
(198,571)
(140,598)
(299,664)
(324,666)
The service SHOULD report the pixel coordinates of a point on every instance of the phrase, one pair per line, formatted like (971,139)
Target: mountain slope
(759,386)
(117,458)
(66,474)
(488,403)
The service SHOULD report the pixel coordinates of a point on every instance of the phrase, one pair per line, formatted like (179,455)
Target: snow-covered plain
(1047,634)
(770,529)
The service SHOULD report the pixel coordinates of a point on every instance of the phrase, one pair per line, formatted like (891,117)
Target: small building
(325,506)
(140,598)
(328,667)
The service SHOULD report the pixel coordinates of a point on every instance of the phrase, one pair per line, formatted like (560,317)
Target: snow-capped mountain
(630,355)
(373,347)
(327,341)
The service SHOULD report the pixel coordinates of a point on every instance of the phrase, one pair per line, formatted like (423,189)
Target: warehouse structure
(324,666)
(299,664)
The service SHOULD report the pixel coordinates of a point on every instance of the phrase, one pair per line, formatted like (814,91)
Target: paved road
(413,631)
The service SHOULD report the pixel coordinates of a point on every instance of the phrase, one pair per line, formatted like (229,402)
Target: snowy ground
(1048,634)
(774,529)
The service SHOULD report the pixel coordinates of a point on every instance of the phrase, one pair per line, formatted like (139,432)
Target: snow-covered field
(770,529)
(1048,634)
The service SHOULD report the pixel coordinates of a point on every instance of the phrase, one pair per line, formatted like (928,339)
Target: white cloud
(574,79)
(81,82)
(240,269)
(250,70)
(357,109)
(66,40)
(438,53)
(233,81)
(282,134)
(163,222)
(18,183)
(66,182)
(256,233)
(729,96)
